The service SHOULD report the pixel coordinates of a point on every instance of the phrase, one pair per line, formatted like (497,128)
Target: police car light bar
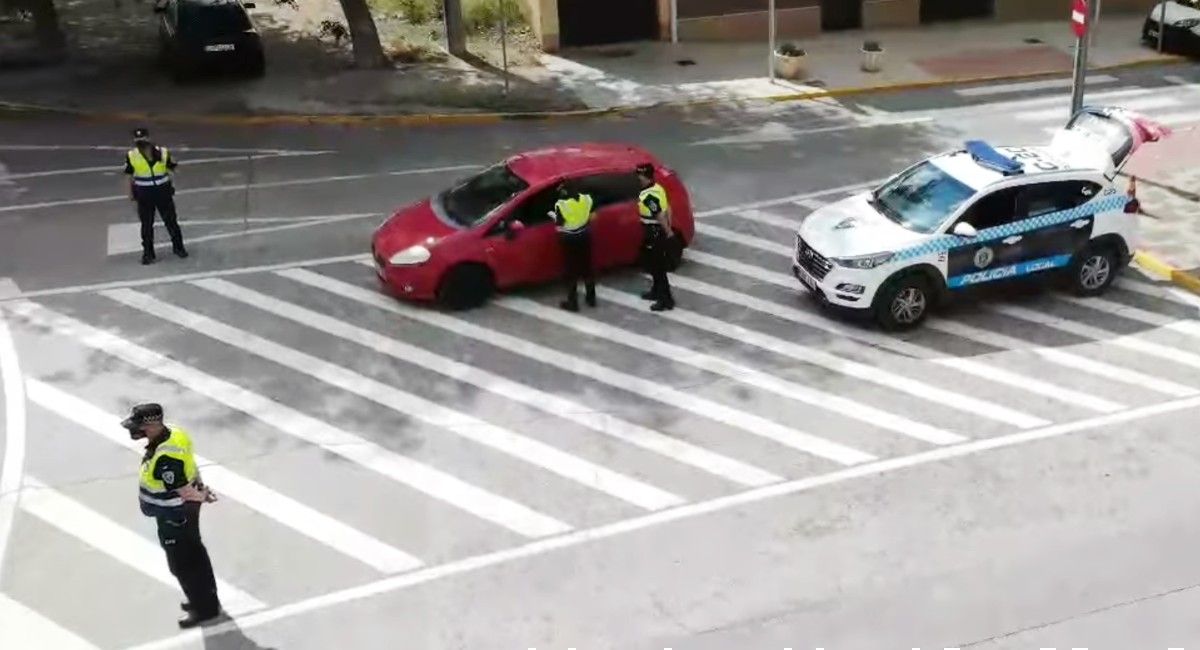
(987,156)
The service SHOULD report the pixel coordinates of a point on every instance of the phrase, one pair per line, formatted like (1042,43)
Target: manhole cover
(685,62)
(1032,40)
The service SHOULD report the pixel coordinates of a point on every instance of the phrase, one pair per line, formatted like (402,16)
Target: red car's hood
(412,225)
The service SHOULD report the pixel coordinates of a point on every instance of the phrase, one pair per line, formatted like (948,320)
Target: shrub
(484,15)
(419,12)
(872,46)
(790,49)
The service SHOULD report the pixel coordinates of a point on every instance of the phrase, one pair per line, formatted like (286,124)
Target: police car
(978,215)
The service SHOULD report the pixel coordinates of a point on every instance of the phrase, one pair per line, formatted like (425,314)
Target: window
(536,210)
(226,19)
(610,189)
(1054,197)
(474,199)
(922,198)
(995,209)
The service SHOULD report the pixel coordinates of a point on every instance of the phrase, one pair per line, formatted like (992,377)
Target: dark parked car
(1181,33)
(199,35)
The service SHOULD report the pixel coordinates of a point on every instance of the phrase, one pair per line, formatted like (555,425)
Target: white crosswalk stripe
(24,628)
(745,240)
(1025,86)
(770,219)
(260,498)
(420,477)
(498,438)
(1113,308)
(117,542)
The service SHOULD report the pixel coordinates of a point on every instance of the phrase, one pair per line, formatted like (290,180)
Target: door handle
(1012,240)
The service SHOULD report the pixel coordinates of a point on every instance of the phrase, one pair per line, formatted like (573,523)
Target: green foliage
(419,12)
(484,15)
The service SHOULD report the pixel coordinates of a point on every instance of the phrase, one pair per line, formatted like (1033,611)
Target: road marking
(566,409)
(842,406)
(256,220)
(769,219)
(1030,85)
(25,628)
(1114,308)
(126,238)
(776,132)
(117,542)
(811,204)
(529,450)
(743,239)
(13,465)
(241,187)
(8,288)
(278,507)
(1176,119)
(591,370)
(184,277)
(69,147)
(682,513)
(737,372)
(844,189)
(1176,79)
(420,477)
(1062,113)
(1105,336)
(115,169)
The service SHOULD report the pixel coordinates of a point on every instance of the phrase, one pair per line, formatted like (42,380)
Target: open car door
(1105,138)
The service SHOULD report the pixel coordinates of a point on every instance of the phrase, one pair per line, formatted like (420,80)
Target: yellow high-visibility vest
(153,493)
(576,213)
(658,193)
(146,174)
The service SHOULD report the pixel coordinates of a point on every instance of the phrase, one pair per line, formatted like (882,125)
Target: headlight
(1189,23)
(864,261)
(410,256)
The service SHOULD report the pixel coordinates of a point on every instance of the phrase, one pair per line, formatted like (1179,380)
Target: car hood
(1175,13)
(411,225)
(852,227)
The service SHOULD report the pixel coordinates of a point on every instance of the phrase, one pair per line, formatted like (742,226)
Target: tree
(364,37)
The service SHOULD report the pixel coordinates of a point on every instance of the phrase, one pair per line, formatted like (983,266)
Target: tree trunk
(45,24)
(368,52)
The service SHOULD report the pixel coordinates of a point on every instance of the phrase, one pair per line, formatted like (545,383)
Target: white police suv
(978,215)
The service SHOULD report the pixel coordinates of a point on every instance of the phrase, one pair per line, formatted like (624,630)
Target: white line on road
(25,628)
(126,238)
(69,147)
(844,189)
(260,498)
(235,187)
(787,134)
(13,464)
(254,220)
(682,513)
(1177,119)
(1057,113)
(515,445)
(9,288)
(591,370)
(742,374)
(1046,84)
(1114,308)
(811,204)
(116,541)
(743,239)
(420,477)
(116,168)
(566,409)
(769,218)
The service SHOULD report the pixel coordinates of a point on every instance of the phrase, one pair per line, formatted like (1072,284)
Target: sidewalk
(1168,175)
(301,80)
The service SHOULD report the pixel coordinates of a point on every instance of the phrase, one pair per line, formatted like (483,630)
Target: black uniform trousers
(655,246)
(179,535)
(577,255)
(160,198)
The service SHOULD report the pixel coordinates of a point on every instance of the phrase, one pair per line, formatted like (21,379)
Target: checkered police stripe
(1107,202)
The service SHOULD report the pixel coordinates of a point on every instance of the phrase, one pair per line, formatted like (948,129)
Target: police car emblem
(846,223)
(984,257)
(168,476)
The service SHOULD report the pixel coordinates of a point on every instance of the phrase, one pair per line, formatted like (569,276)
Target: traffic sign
(1079,18)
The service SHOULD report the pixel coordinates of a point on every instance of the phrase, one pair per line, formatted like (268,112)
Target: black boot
(569,305)
(590,298)
(147,258)
(180,251)
(663,305)
(194,620)
(187,607)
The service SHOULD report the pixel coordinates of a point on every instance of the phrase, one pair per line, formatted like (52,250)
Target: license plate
(805,279)
(220,47)
(1154,33)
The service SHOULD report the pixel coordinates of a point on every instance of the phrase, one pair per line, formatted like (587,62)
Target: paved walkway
(1169,188)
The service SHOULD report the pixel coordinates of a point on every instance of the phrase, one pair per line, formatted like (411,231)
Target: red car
(493,231)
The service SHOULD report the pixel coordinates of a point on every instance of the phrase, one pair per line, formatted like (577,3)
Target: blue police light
(987,156)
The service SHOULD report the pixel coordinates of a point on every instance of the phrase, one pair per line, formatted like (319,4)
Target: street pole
(1162,24)
(504,41)
(246,197)
(771,38)
(674,21)
(1081,55)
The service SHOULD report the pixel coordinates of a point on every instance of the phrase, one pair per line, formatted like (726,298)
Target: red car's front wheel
(466,286)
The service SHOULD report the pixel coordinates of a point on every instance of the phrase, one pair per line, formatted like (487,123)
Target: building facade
(576,23)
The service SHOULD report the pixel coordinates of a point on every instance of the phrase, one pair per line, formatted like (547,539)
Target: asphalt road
(758,474)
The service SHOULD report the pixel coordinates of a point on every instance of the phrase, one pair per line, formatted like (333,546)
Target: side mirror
(964,229)
(249,5)
(513,228)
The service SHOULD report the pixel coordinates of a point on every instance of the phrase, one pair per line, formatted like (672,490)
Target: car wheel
(904,303)
(258,67)
(465,287)
(675,252)
(1093,270)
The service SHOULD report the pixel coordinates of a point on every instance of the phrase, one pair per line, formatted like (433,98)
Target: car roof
(550,163)
(964,167)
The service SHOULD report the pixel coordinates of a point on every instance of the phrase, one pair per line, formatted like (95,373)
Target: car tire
(257,67)
(904,302)
(1093,270)
(466,286)
(675,248)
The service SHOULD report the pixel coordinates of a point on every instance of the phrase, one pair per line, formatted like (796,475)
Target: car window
(215,20)
(474,199)
(995,209)
(1054,197)
(922,198)
(536,210)
(610,189)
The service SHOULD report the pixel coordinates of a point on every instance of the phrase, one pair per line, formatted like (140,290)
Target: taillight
(1134,206)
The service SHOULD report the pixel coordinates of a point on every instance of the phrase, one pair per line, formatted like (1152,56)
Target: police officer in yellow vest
(572,217)
(655,211)
(170,490)
(149,169)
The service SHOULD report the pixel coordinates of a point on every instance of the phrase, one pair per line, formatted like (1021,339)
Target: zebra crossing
(352,436)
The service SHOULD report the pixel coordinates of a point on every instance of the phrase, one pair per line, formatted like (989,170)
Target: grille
(812,261)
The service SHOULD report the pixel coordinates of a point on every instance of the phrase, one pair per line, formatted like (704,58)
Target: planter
(872,57)
(791,62)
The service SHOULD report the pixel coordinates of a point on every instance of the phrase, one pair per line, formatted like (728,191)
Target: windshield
(214,20)
(476,198)
(921,199)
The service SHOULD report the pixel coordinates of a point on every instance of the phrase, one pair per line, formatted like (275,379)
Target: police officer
(149,169)
(572,215)
(657,235)
(170,490)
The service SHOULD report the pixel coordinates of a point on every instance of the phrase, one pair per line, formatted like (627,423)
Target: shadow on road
(231,637)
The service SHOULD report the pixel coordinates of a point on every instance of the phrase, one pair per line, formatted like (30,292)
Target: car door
(529,253)
(1051,245)
(616,229)
(989,255)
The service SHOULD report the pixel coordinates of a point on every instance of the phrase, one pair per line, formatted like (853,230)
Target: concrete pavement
(518,477)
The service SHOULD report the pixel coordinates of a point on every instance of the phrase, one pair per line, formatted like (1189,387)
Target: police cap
(141,134)
(646,169)
(143,414)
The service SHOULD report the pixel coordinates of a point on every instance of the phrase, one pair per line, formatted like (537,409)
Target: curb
(1168,272)
(450,119)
